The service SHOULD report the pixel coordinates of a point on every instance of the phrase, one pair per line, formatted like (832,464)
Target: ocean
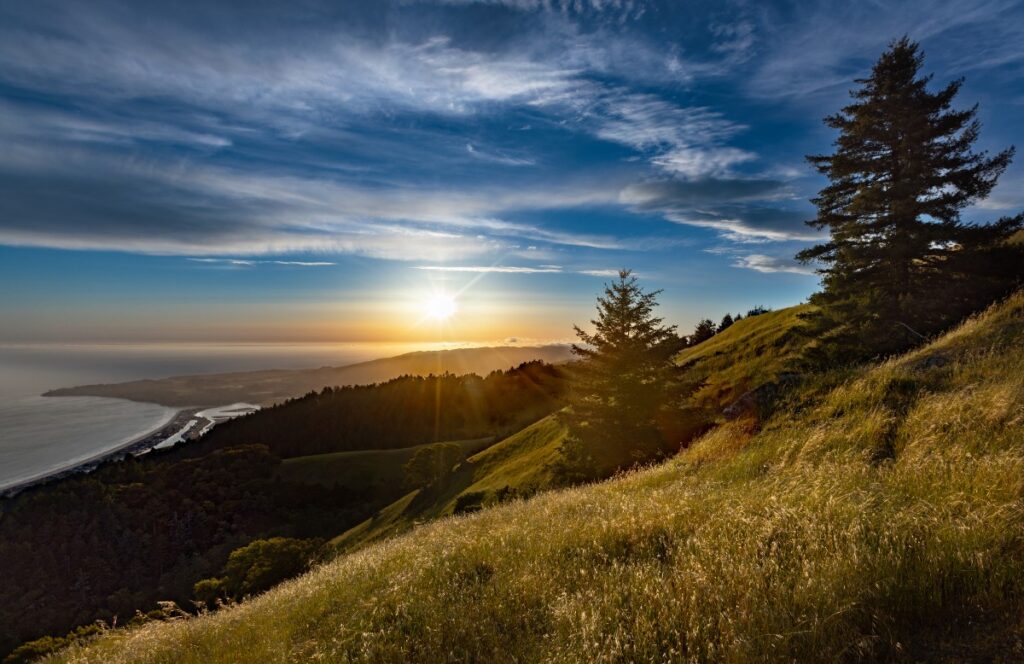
(43,435)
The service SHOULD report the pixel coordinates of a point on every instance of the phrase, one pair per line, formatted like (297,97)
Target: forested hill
(276,385)
(403,412)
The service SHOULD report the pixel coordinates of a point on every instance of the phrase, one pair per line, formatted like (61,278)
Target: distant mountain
(273,386)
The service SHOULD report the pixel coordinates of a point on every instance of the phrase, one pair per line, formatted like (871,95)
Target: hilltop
(876,513)
(273,386)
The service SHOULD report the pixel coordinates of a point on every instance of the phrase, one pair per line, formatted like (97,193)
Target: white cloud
(173,208)
(600,273)
(771,264)
(496,158)
(694,162)
(250,262)
(487,269)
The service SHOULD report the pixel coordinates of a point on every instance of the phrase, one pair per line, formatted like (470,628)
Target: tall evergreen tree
(899,262)
(626,387)
(726,323)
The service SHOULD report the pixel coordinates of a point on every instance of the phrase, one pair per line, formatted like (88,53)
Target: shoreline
(183,425)
(136,445)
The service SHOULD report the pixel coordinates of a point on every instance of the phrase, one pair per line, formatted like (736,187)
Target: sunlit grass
(881,519)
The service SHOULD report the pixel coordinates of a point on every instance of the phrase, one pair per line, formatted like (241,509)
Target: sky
(322,171)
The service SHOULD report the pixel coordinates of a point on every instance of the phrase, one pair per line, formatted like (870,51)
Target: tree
(726,323)
(627,385)
(703,331)
(431,465)
(899,263)
(257,567)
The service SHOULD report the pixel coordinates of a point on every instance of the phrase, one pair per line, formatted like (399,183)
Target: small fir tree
(627,386)
(703,331)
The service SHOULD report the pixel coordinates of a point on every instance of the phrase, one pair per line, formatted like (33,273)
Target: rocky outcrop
(759,401)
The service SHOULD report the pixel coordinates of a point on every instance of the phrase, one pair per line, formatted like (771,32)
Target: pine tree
(703,331)
(899,262)
(726,323)
(626,386)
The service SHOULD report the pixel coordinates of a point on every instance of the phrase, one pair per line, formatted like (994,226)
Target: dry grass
(881,519)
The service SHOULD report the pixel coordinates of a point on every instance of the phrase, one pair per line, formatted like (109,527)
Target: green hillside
(879,515)
(518,466)
(750,352)
(362,469)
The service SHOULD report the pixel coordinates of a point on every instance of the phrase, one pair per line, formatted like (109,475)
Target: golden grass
(751,352)
(799,542)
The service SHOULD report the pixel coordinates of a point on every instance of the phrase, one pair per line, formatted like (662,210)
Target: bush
(257,567)
(431,465)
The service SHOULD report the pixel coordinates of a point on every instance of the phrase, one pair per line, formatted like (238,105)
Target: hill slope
(877,516)
(517,466)
(361,470)
(750,352)
(269,387)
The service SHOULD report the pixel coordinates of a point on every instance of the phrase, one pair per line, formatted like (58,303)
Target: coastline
(181,426)
(136,445)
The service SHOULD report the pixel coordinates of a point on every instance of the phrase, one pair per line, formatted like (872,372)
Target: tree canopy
(899,261)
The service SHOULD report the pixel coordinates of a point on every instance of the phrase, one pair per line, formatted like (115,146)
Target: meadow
(875,514)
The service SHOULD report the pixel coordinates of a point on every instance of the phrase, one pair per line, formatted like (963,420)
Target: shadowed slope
(517,466)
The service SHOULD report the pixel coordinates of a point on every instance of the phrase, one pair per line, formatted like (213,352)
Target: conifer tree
(703,331)
(726,323)
(627,384)
(899,262)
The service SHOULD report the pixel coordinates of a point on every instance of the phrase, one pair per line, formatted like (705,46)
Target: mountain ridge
(266,387)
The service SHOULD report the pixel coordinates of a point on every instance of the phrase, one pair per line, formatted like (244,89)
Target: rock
(932,362)
(760,400)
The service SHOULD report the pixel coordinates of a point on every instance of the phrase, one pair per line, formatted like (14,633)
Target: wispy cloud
(824,45)
(496,158)
(770,264)
(488,269)
(246,262)
(739,208)
(621,9)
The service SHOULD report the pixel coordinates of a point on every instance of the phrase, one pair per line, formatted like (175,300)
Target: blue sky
(265,171)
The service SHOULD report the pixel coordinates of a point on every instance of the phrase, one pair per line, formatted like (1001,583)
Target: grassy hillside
(515,467)
(362,469)
(878,515)
(751,352)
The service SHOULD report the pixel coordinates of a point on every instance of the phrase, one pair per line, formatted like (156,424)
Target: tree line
(404,412)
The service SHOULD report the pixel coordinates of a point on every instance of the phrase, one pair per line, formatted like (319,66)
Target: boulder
(760,400)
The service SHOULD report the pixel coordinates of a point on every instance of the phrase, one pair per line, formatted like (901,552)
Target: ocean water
(42,435)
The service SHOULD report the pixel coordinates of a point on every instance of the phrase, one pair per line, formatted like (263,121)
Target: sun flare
(440,306)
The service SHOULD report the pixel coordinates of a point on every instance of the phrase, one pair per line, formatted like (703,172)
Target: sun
(440,306)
